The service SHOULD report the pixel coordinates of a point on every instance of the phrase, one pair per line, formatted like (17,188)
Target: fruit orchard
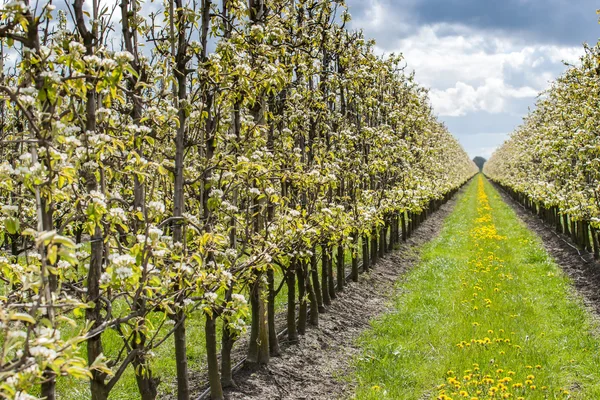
(551,162)
(171,162)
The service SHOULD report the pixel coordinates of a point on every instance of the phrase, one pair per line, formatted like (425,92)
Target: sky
(485,61)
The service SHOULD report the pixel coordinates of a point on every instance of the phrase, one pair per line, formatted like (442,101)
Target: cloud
(381,20)
(484,61)
(473,56)
(480,80)
(473,70)
(536,21)
(492,97)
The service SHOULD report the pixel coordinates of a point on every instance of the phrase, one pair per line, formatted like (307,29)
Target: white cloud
(467,69)
(373,17)
(491,96)
(559,54)
(471,56)
(480,79)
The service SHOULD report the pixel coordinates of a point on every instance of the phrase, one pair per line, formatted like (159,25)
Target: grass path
(486,315)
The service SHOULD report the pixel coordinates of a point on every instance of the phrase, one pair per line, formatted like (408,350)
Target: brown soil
(315,367)
(579,265)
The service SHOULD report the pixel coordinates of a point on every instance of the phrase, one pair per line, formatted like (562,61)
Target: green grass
(410,352)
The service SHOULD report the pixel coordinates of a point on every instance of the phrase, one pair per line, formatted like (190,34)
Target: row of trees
(551,163)
(168,160)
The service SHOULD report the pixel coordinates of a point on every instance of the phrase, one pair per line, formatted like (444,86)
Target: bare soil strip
(315,367)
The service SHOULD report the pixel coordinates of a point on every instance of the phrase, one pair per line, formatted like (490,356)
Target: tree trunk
(147,384)
(355,257)
(302,273)
(383,240)
(341,271)
(290,280)
(365,253)
(214,379)
(324,275)
(258,348)
(99,390)
(595,242)
(565,227)
(273,339)
(315,283)
(183,385)
(374,248)
(49,387)
(586,234)
(580,235)
(94,344)
(227,341)
(312,297)
(330,280)
(396,231)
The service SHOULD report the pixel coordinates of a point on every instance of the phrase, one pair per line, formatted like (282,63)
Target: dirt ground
(578,265)
(315,367)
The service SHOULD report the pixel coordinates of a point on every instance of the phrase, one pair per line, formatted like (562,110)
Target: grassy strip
(486,315)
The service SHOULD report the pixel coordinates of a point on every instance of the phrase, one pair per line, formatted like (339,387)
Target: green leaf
(65,241)
(12,226)
(213,203)
(52,254)
(22,317)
